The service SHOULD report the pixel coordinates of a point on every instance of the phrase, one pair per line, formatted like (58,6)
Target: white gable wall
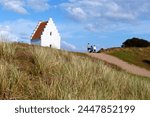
(47,39)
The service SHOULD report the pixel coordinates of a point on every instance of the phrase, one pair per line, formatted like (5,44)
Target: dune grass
(33,72)
(136,56)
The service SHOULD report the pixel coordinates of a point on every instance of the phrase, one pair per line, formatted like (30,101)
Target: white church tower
(46,34)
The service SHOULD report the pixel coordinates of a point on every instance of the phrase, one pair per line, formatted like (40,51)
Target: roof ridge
(39,30)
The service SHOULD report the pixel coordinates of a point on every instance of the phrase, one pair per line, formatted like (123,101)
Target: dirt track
(122,64)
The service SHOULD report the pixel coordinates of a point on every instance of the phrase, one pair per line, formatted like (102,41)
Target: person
(91,49)
(88,47)
(94,49)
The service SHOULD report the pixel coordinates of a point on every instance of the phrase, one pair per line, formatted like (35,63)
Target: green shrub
(136,42)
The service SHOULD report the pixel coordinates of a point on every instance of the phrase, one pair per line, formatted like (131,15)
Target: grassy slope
(137,56)
(32,72)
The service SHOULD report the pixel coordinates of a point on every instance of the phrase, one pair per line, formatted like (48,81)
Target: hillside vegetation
(32,72)
(136,56)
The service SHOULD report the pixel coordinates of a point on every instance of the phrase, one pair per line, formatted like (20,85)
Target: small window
(50,33)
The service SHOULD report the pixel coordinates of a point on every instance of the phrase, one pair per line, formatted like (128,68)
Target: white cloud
(91,27)
(94,9)
(19,30)
(38,5)
(77,13)
(21,6)
(67,46)
(14,5)
(6,34)
(105,14)
(4,29)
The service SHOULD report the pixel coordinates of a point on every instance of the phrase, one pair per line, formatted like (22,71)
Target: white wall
(47,39)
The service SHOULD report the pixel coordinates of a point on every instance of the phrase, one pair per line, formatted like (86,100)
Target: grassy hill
(32,72)
(137,56)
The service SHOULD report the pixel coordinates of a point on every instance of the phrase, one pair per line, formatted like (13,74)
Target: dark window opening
(50,33)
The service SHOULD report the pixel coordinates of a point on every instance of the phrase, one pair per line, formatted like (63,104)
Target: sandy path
(122,64)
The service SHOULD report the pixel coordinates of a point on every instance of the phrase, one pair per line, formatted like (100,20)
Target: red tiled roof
(40,29)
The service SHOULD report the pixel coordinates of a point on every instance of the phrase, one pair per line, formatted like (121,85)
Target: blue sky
(105,23)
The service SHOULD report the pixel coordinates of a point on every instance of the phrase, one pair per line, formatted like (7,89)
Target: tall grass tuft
(7,50)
